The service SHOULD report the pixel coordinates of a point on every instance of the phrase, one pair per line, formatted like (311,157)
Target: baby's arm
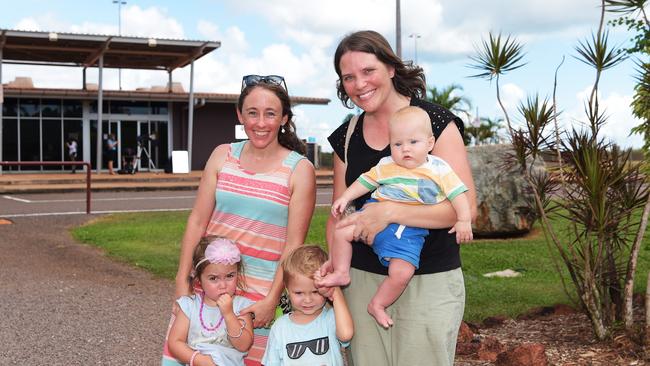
(355,190)
(463,226)
(344,323)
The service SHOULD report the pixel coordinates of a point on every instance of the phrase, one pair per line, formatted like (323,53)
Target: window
(159,108)
(51,108)
(10,140)
(125,107)
(10,107)
(72,108)
(29,108)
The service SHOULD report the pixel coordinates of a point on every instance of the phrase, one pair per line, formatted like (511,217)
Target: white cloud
(233,40)
(448,29)
(511,97)
(150,22)
(320,23)
(43,22)
(136,21)
(616,107)
(620,121)
(28,24)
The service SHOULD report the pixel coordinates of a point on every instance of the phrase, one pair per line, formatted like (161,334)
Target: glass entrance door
(152,147)
(146,140)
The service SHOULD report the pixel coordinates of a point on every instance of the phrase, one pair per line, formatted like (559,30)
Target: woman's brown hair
(409,79)
(287,135)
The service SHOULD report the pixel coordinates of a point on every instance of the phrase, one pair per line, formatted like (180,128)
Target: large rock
(503,198)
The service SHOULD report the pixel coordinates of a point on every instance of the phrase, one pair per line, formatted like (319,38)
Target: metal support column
(169,83)
(1,102)
(83,86)
(190,117)
(100,106)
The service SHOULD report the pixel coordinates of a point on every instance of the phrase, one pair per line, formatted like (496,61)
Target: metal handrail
(57,163)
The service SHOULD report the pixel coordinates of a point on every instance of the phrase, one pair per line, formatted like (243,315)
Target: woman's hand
(325,291)
(326,268)
(367,223)
(263,312)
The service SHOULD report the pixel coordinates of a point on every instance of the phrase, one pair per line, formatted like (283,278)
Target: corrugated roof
(10,91)
(72,49)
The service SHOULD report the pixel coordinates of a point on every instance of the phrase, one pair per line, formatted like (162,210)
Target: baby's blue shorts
(408,247)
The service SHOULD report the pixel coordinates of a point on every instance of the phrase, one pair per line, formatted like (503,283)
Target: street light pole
(119,33)
(398,29)
(415,37)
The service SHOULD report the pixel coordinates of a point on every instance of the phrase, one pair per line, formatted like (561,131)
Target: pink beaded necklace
(209,329)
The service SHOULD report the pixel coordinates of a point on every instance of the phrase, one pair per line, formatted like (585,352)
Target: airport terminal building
(35,122)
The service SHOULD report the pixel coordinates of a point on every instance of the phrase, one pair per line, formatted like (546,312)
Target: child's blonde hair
(304,260)
(413,114)
(199,255)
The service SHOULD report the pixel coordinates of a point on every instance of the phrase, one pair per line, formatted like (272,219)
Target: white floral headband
(221,251)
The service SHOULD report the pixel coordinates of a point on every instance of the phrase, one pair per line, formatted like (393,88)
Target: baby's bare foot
(379,313)
(333,279)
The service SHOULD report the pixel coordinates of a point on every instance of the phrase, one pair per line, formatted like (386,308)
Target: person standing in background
(71,144)
(111,152)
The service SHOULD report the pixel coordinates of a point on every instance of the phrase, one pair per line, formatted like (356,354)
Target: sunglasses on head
(252,80)
(318,346)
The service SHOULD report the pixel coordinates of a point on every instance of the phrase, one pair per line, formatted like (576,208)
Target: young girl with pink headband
(209,329)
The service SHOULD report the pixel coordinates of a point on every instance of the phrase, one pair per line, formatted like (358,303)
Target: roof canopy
(68,49)
(14,92)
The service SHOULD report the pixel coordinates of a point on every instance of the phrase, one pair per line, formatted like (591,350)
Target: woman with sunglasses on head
(265,193)
(428,313)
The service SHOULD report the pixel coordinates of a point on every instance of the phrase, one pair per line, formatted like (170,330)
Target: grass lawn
(152,241)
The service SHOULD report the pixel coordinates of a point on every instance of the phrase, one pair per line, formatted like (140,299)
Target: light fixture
(152,42)
(53,36)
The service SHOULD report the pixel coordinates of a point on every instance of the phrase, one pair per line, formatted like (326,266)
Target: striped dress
(252,210)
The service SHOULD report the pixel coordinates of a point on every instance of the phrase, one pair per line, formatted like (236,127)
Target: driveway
(62,303)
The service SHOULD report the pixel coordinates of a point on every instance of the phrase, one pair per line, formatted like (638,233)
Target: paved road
(37,204)
(63,303)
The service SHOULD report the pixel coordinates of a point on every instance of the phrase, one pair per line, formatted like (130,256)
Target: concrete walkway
(62,303)
(11,183)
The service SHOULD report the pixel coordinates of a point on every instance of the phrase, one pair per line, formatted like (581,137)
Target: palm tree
(487,132)
(495,59)
(448,98)
(631,11)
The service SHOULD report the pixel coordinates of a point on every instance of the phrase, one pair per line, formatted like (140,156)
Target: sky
(297,39)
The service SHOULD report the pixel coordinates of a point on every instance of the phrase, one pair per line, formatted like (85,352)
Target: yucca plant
(497,57)
(633,15)
(597,54)
(641,104)
(601,188)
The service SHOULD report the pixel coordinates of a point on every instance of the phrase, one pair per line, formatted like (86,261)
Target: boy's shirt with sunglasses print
(311,344)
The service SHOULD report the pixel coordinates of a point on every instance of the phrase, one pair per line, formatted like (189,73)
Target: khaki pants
(427,317)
